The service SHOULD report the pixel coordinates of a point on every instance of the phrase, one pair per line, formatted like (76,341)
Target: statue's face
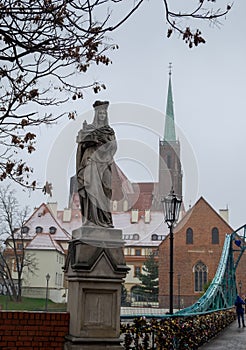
(102,115)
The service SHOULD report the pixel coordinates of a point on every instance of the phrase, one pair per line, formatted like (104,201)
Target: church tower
(170,172)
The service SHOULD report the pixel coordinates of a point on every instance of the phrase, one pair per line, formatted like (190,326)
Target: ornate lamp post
(47,291)
(179,304)
(171,208)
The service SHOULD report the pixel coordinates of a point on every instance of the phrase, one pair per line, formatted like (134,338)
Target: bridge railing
(222,291)
(172,332)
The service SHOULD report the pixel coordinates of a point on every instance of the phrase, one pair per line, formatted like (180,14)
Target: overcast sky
(209,103)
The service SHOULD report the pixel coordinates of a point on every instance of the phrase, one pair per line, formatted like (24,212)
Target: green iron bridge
(222,291)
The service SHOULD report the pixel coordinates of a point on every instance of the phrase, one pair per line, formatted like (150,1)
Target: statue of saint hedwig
(95,152)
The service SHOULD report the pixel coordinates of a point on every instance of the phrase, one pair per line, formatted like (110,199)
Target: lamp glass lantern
(171,207)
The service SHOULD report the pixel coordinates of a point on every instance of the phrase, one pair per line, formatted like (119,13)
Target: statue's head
(101,113)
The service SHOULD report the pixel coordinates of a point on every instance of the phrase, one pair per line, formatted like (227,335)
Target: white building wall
(35,284)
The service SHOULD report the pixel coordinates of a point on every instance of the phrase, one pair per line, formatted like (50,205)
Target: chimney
(224,213)
(67,215)
(53,208)
(134,216)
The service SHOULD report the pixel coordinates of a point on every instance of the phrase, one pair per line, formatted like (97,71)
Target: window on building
(24,229)
(136,236)
(215,236)
(126,251)
(155,252)
(137,271)
(201,276)
(138,252)
(154,237)
(169,161)
(136,294)
(39,229)
(19,246)
(14,266)
(189,236)
(58,279)
(114,205)
(52,230)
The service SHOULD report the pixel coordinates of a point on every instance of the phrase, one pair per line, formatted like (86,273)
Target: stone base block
(95,270)
(74,343)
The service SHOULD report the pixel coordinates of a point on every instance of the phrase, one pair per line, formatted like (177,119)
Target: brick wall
(201,218)
(33,330)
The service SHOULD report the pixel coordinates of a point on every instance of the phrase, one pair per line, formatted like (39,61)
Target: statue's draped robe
(96,148)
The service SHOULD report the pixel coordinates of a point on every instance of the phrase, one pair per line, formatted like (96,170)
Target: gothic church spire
(169,133)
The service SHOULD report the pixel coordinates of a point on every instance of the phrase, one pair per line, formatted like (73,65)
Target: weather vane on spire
(170,68)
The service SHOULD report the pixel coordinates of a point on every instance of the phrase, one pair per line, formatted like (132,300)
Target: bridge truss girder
(222,291)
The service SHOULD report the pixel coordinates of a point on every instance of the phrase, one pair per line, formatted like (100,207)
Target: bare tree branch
(44,44)
(13,256)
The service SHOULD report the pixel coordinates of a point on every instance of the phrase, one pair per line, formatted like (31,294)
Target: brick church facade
(198,243)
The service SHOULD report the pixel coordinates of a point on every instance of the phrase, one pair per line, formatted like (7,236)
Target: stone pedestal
(95,269)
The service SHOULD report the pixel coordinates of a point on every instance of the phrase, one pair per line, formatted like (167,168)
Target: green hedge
(170,333)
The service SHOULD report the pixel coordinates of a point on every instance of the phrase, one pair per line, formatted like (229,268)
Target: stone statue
(95,151)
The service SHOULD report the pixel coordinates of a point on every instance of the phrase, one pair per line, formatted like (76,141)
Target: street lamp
(179,289)
(171,207)
(47,291)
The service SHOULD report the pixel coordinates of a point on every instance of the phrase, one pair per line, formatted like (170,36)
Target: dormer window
(39,229)
(52,230)
(24,229)
(136,237)
(154,237)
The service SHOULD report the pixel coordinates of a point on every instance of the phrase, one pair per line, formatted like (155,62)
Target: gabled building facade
(45,245)
(198,243)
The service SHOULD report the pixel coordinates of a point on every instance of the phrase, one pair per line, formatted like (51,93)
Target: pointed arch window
(169,161)
(189,236)
(215,235)
(201,276)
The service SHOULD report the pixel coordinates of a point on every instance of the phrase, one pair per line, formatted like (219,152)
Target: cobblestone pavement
(232,338)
